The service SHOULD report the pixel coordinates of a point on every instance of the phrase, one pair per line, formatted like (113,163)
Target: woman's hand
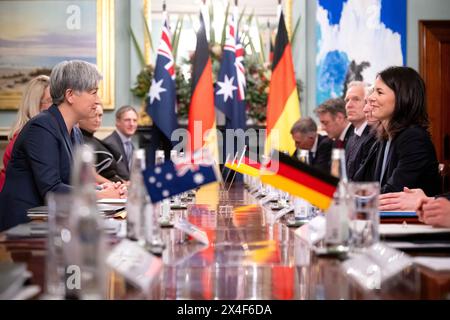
(407,200)
(435,212)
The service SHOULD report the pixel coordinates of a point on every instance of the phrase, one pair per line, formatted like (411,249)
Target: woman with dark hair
(405,155)
(106,158)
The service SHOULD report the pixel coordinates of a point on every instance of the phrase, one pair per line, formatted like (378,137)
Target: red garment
(6,158)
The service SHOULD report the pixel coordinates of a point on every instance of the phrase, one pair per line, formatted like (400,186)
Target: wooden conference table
(248,258)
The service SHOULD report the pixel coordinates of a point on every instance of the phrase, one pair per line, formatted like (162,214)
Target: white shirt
(342,136)
(123,138)
(314,147)
(361,129)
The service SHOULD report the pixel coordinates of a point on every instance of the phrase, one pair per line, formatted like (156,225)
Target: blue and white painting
(356,39)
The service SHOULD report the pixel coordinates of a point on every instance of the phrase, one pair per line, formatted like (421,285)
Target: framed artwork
(36,35)
(356,39)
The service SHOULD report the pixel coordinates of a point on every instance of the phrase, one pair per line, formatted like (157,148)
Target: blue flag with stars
(162,95)
(171,178)
(230,86)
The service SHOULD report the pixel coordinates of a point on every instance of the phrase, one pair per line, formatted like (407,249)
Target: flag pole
(234,172)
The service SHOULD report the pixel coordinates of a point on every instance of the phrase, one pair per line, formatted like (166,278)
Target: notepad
(112,201)
(398,214)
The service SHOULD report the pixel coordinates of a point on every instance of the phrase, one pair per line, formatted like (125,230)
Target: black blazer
(106,158)
(357,149)
(322,157)
(411,162)
(40,162)
(348,134)
(114,142)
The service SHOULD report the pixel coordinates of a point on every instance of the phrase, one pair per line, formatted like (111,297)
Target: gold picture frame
(104,52)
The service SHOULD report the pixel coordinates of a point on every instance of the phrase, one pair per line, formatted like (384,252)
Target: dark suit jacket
(357,149)
(106,157)
(348,134)
(322,157)
(41,162)
(114,142)
(411,162)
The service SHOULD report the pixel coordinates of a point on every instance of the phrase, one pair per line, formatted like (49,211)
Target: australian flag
(230,85)
(162,95)
(171,178)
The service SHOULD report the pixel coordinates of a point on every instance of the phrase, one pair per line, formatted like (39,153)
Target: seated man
(120,139)
(359,144)
(334,121)
(304,133)
(106,158)
(43,152)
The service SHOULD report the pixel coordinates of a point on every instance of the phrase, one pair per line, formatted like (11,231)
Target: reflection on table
(248,258)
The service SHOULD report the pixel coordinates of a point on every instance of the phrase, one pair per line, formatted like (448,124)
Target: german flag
(283,106)
(202,118)
(246,166)
(300,179)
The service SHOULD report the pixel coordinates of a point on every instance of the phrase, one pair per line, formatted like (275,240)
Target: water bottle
(337,220)
(86,274)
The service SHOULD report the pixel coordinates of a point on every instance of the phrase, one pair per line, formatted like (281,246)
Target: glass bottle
(136,199)
(337,220)
(302,208)
(86,274)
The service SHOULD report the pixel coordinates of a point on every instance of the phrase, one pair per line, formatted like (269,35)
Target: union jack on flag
(162,95)
(171,178)
(230,85)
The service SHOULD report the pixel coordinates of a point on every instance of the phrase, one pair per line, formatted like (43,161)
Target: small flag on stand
(300,179)
(170,178)
(246,166)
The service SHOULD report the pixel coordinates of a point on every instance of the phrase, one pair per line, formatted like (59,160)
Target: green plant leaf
(261,43)
(294,32)
(148,34)
(138,48)
(240,17)
(224,29)
(212,34)
(176,36)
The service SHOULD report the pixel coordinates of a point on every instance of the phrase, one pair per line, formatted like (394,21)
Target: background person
(106,158)
(405,156)
(304,133)
(35,99)
(43,152)
(121,139)
(333,117)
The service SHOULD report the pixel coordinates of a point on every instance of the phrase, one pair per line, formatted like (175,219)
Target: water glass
(58,241)
(364,216)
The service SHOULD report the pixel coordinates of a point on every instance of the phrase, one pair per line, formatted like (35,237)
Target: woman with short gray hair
(43,153)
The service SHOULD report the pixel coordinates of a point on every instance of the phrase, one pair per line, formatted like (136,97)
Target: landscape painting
(36,35)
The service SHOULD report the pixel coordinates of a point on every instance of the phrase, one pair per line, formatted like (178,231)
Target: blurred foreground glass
(58,239)
(364,216)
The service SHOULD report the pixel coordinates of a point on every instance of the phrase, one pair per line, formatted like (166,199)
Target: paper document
(434,263)
(122,201)
(391,229)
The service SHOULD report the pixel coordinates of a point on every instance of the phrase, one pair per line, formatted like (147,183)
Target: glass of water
(364,215)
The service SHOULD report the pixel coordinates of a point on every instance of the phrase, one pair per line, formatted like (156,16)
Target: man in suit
(120,139)
(359,144)
(43,153)
(304,133)
(333,117)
